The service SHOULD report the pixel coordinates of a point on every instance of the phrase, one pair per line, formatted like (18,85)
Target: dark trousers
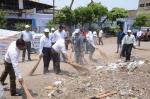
(100,40)
(128,49)
(56,61)
(28,48)
(47,55)
(139,41)
(122,54)
(9,70)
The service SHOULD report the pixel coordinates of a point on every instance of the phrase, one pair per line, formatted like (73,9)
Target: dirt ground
(72,85)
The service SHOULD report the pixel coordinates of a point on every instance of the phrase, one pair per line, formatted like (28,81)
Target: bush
(20,26)
(2,19)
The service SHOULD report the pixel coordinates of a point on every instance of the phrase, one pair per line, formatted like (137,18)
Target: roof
(28,4)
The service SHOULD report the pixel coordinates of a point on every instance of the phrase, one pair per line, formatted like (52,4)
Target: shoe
(22,60)
(29,59)
(16,94)
(4,84)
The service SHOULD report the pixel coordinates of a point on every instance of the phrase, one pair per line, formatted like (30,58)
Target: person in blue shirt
(120,36)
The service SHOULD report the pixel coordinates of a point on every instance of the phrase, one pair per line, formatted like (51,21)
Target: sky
(127,4)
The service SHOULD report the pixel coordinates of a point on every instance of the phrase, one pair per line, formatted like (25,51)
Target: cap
(52,29)
(129,31)
(27,26)
(46,30)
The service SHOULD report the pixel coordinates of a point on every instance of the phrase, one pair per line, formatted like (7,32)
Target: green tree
(65,16)
(116,13)
(98,10)
(2,19)
(83,15)
(142,20)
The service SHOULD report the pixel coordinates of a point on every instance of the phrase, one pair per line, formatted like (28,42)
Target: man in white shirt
(60,33)
(45,49)
(138,35)
(53,36)
(91,45)
(128,42)
(57,49)
(27,37)
(100,35)
(11,65)
(95,37)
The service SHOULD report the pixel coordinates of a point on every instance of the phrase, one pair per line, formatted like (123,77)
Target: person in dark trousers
(128,42)
(27,37)
(139,36)
(100,36)
(11,66)
(120,36)
(45,49)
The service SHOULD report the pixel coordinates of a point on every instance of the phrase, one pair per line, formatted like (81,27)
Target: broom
(142,49)
(79,68)
(36,65)
(27,93)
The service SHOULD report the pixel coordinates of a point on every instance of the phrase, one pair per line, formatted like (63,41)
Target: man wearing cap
(77,40)
(27,37)
(45,49)
(11,66)
(128,42)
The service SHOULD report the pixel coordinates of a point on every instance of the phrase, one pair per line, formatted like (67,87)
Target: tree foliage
(116,13)
(142,20)
(2,19)
(98,10)
(20,26)
(64,16)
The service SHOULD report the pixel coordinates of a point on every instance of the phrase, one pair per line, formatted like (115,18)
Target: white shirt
(139,33)
(100,33)
(95,34)
(59,46)
(45,42)
(59,35)
(90,38)
(53,37)
(27,36)
(129,39)
(12,56)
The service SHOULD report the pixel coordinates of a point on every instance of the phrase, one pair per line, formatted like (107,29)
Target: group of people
(126,41)
(84,43)
(53,44)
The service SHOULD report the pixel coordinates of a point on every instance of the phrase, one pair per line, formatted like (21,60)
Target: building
(143,7)
(26,11)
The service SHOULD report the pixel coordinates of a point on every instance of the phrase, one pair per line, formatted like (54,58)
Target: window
(147,4)
(142,5)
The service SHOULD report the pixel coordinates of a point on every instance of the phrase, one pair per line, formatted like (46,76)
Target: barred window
(141,5)
(147,4)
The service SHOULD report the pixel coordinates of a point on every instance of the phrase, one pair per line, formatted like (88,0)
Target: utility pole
(53,9)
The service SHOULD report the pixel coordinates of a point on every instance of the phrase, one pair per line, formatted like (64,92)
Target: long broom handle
(27,93)
(36,65)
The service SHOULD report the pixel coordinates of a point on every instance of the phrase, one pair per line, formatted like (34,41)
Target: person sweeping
(11,66)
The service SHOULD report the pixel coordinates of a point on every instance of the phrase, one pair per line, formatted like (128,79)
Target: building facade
(31,12)
(143,7)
